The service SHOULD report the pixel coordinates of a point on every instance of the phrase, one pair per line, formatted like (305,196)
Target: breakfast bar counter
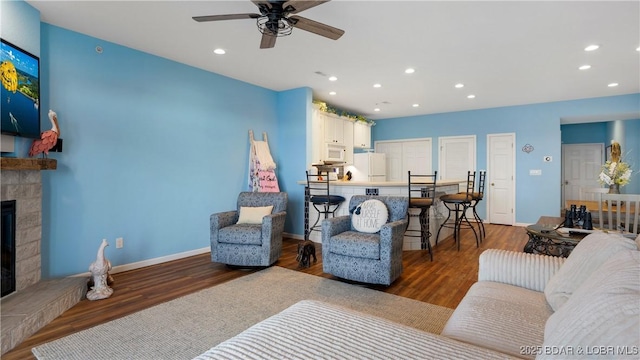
(347,189)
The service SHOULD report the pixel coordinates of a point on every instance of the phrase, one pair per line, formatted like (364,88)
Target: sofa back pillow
(602,317)
(586,257)
(253,214)
(369,216)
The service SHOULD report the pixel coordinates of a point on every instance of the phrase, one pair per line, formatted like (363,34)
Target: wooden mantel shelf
(7,163)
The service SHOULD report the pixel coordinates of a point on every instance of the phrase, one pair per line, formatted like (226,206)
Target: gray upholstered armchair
(374,258)
(257,239)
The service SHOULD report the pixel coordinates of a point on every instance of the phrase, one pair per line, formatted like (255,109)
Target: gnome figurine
(100,273)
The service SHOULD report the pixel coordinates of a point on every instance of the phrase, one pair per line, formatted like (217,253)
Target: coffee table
(544,239)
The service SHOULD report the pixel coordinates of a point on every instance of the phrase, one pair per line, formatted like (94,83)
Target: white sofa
(523,306)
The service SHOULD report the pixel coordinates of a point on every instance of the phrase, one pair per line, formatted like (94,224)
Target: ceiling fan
(274,20)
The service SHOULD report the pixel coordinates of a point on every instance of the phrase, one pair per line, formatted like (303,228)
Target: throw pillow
(586,257)
(253,215)
(602,317)
(369,216)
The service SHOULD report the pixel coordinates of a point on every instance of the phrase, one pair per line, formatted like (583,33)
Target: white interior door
(580,168)
(457,157)
(500,182)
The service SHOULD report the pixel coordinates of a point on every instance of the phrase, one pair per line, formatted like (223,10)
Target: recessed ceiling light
(410,71)
(585,67)
(459,85)
(332,93)
(471,96)
(219,51)
(613,85)
(332,78)
(376,109)
(415,105)
(377,85)
(591,47)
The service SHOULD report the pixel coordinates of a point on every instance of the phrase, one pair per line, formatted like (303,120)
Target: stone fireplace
(34,303)
(25,187)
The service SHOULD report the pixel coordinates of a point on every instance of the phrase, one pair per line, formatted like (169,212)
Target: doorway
(501,187)
(580,168)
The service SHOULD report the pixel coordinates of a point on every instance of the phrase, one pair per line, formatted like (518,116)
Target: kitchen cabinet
(361,135)
(333,129)
(347,127)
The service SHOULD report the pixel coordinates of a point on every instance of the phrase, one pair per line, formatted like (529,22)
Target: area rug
(188,326)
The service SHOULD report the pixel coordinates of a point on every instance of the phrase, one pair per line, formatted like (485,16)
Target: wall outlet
(535,172)
(119,243)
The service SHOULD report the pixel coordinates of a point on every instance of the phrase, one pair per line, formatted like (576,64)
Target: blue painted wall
(537,124)
(294,109)
(152,148)
(587,133)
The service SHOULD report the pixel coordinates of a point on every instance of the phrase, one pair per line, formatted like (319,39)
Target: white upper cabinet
(361,135)
(347,127)
(333,129)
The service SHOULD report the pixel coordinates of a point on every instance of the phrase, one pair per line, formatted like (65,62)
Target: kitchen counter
(397,188)
(371,184)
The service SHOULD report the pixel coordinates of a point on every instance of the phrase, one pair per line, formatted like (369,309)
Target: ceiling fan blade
(315,27)
(258,2)
(226,17)
(268,41)
(301,5)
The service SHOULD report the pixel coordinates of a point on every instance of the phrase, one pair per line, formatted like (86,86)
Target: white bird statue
(100,273)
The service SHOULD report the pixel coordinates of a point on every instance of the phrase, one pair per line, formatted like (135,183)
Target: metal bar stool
(317,194)
(459,204)
(422,189)
(477,196)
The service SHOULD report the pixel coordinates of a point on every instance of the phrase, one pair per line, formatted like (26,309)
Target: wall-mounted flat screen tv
(20,91)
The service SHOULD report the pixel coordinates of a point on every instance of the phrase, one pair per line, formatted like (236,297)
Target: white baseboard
(155,261)
(293,236)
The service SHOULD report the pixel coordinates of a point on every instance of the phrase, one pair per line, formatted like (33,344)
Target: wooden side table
(544,239)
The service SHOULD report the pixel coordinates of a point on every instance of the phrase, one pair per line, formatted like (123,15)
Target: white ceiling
(506,53)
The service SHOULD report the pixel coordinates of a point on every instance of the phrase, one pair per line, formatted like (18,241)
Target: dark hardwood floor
(443,282)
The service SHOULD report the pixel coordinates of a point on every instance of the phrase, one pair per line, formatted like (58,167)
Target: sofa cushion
(243,234)
(356,244)
(316,330)
(587,256)
(369,216)
(500,317)
(603,311)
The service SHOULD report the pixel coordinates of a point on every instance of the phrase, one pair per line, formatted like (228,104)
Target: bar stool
(422,189)
(459,204)
(317,194)
(477,196)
